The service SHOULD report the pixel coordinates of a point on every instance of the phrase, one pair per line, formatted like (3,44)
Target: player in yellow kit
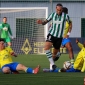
(7,64)
(80,60)
(79,64)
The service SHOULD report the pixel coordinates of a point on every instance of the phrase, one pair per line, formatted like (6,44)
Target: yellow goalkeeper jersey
(5,56)
(78,64)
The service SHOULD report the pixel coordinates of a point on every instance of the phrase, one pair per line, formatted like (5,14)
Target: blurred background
(29,36)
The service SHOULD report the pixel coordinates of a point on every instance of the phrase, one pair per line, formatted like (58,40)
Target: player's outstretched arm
(9,29)
(79,44)
(42,22)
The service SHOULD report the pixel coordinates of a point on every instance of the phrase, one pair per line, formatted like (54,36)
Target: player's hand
(77,40)
(12,37)
(13,54)
(39,21)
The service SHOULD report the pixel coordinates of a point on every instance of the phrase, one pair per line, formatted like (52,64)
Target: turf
(41,78)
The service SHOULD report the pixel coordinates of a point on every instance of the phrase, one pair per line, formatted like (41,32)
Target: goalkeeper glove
(12,37)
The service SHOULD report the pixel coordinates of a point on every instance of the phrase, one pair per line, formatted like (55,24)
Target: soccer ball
(67,65)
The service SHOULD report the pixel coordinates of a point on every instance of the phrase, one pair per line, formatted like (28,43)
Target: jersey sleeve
(50,17)
(68,18)
(80,45)
(1,26)
(9,29)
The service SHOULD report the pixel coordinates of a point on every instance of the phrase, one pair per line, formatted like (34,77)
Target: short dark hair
(59,4)
(4,17)
(65,10)
(1,39)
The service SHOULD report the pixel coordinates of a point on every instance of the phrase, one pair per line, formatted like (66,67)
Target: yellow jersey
(5,56)
(66,29)
(78,64)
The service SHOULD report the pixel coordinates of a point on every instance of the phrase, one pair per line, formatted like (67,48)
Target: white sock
(51,61)
(51,67)
(49,56)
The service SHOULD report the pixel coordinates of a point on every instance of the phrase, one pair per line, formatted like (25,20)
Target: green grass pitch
(41,78)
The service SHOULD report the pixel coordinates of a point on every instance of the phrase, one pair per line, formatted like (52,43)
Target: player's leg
(48,45)
(70,50)
(20,67)
(49,70)
(62,70)
(56,50)
(49,54)
(56,45)
(8,41)
(73,70)
(56,54)
(66,42)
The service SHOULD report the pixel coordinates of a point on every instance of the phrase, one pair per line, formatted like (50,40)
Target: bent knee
(47,45)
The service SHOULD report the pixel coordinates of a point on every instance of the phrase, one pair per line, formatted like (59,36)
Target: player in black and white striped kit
(55,34)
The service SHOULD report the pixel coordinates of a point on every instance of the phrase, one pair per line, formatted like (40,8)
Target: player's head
(65,10)
(4,19)
(2,42)
(59,8)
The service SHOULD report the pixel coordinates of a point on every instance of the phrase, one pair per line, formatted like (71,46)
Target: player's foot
(36,70)
(53,67)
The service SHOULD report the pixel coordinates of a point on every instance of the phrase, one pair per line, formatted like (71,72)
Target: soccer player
(66,41)
(7,64)
(5,31)
(79,64)
(55,34)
